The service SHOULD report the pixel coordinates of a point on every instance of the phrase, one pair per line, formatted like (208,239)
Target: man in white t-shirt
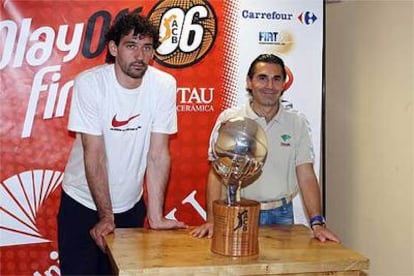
(122,113)
(289,161)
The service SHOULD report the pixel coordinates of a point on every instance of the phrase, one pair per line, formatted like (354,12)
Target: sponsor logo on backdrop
(307,17)
(195,99)
(269,38)
(188,30)
(266,15)
(282,41)
(22,196)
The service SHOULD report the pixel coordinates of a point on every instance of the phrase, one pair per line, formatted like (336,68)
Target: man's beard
(136,73)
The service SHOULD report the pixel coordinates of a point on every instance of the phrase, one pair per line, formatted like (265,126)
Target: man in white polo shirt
(289,162)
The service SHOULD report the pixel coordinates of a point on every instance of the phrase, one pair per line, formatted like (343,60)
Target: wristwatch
(317,220)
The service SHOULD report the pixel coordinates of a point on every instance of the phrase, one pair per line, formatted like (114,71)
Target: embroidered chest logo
(285,140)
(116,123)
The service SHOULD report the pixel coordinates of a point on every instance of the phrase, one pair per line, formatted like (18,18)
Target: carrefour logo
(307,18)
(273,15)
(187,31)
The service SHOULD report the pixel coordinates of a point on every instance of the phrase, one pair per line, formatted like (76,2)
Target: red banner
(45,44)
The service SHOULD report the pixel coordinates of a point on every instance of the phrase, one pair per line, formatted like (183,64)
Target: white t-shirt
(125,118)
(289,145)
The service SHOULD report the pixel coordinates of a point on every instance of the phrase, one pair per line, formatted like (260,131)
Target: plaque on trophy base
(236,228)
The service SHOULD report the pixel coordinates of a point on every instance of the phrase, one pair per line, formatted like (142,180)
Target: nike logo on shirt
(116,123)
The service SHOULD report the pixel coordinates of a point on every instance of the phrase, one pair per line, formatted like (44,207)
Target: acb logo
(187,31)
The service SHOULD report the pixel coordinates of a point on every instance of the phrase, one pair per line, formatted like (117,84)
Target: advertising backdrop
(206,45)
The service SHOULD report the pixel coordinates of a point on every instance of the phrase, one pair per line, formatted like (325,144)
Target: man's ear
(113,49)
(248,83)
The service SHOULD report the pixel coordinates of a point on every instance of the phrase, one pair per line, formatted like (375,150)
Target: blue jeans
(280,215)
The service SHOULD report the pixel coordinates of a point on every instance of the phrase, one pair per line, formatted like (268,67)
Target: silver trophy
(239,147)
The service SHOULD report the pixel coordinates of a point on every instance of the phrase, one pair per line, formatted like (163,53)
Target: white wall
(370,130)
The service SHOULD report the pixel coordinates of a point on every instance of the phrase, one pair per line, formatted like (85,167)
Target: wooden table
(282,250)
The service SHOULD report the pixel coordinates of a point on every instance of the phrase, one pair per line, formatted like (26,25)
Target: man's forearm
(96,175)
(310,189)
(98,186)
(158,169)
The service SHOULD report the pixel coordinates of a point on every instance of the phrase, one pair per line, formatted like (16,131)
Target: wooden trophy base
(236,228)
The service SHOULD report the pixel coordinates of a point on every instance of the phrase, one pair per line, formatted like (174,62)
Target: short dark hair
(266,58)
(128,22)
